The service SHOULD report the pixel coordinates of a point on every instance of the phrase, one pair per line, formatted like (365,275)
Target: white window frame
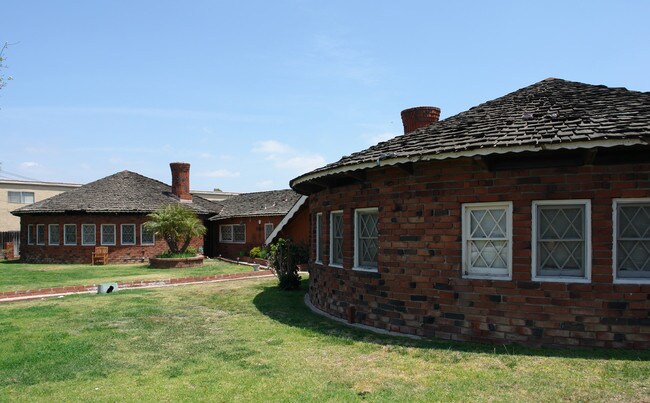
(40,235)
(617,279)
(267,233)
(483,272)
(232,232)
(319,238)
(101,235)
(50,232)
(357,265)
(21,197)
(135,238)
(83,241)
(65,238)
(142,242)
(31,236)
(332,214)
(587,236)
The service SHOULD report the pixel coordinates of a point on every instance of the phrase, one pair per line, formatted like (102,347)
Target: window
(487,240)
(336,238)
(232,233)
(108,234)
(88,234)
(561,240)
(53,234)
(21,197)
(31,237)
(268,230)
(631,254)
(70,234)
(366,235)
(128,234)
(40,234)
(147,237)
(319,238)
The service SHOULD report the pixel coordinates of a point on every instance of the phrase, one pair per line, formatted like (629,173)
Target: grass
(243,341)
(19,276)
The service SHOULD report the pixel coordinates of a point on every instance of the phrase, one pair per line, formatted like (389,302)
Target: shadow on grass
(8,262)
(288,307)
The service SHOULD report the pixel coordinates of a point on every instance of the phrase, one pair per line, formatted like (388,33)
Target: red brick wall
(254,235)
(82,254)
(419,289)
(298,228)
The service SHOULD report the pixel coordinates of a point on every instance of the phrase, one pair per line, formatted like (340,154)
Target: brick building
(255,219)
(108,212)
(525,219)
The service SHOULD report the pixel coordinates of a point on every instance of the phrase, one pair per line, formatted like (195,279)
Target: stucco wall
(9,222)
(419,288)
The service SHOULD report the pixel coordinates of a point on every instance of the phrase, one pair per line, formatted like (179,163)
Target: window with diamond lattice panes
(268,230)
(108,234)
(40,234)
(147,237)
(366,238)
(239,233)
(87,234)
(319,237)
(69,234)
(128,234)
(336,238)
(225,233)
(632,236)
(561,240)
(487,240)
(53,234)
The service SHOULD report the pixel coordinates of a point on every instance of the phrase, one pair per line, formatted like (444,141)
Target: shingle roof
(275,202)
(552,113)
(123,192)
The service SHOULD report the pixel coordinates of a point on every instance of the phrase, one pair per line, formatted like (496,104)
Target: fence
(9,236)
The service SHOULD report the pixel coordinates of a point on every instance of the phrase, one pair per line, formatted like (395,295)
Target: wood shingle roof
(274,202)
(124,192)
(551,114)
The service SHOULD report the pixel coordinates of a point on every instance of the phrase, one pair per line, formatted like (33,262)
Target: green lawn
(247,341)
(19,276)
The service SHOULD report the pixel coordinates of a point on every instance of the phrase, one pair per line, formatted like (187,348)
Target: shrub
(258,252)
(283,264)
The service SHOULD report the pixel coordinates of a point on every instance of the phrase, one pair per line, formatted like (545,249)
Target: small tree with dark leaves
(283,264)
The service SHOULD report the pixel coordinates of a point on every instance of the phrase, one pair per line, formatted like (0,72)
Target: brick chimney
(181,180)
(421,116)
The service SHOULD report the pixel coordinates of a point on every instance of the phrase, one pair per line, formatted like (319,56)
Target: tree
(176,224)
(283,258)
(3,81)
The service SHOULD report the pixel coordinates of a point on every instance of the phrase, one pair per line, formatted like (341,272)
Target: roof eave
(296,182)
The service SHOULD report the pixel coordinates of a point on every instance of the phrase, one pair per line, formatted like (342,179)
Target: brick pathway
(52,292)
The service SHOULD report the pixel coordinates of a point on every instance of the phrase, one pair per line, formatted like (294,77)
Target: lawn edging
(8,296)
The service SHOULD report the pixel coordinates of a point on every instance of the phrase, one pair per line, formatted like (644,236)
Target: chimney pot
(181,180)
(418,117)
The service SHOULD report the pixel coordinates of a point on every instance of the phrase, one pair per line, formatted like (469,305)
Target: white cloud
(29,165)
(221,173)
(285,157)
(271,147)
(265,184)
(373,139)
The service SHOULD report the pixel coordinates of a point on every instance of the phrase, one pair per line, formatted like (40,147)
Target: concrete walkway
(59,292)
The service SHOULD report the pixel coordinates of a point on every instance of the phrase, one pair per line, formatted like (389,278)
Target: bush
(258,252)
(282,260)
(169,254)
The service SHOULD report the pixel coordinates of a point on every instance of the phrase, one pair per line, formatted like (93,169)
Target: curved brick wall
(419,289)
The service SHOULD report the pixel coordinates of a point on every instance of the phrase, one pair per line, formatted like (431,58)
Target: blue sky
(255,93)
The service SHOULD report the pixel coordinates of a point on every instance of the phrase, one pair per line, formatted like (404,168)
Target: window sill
(365,270)
(487,277)
(338,266)
(631,281)
(561,280)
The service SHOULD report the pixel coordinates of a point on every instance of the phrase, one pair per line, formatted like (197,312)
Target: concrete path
(59,292)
